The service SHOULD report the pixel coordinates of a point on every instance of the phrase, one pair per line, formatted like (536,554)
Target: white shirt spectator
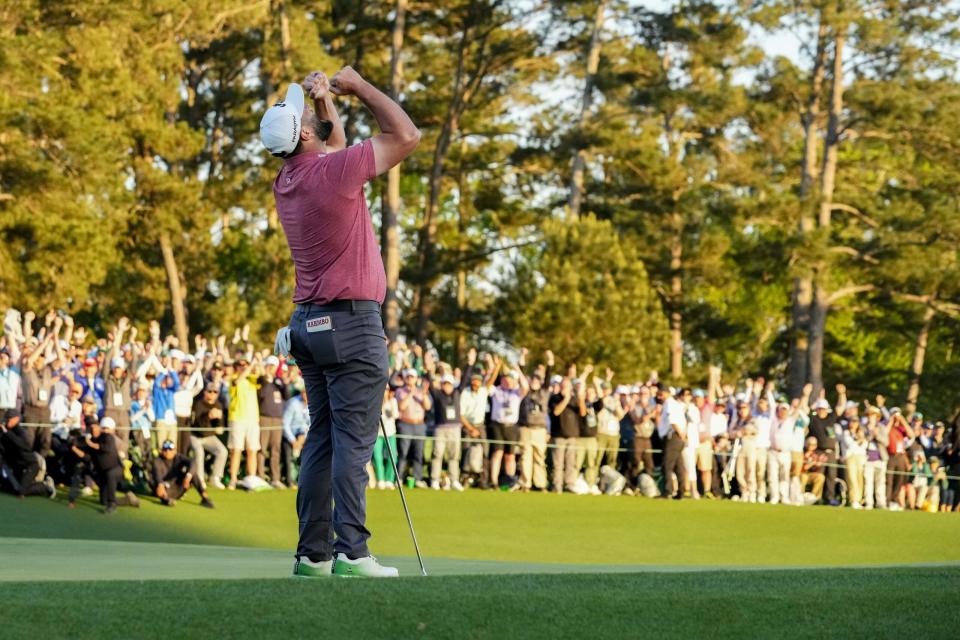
(473,405)
(693,426)
(183,397)
(9,388)
(718,424)
(65,415)
(389,414)
(672,418)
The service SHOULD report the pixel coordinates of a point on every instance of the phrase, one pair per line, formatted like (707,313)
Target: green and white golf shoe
(304,568)
(367,567)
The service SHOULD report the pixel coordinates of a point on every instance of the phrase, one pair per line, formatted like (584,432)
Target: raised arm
(318,86)
(398,135)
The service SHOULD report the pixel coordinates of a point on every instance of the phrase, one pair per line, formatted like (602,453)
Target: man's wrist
(364,90)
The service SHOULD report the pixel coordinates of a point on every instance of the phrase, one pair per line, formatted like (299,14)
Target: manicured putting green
(579,566)
(893,603)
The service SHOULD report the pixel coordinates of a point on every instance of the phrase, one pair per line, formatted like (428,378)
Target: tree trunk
(586,100)
(460,343)
(803,285)
(919,353)
(821,296)
(389,231)
(676,298)
(177,293)
(459,97)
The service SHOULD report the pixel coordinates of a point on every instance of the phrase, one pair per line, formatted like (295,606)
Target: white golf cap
(448,379)
(272,360)
(108,423)
(280,125)
(821,404)
(176,354)
(118,363)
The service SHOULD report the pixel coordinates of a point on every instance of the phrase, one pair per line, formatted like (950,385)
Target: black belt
(353,306)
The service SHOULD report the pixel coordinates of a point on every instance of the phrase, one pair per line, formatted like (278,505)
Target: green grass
(763,604)
(533,528)
(578,566)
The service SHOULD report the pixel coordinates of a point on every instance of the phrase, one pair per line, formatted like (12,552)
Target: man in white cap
(336,332)
(823,428)
(109,469)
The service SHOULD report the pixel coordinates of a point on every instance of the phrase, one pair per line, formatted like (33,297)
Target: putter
(403,499)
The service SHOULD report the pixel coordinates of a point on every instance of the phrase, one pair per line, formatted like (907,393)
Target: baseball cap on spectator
(782,405)
(108,423)
(280,125)
(90,362)
(217,366)
(895,411)
(189,358)
(168,445)
(740,398)
(118,363)
(917,416)
(622,390)
(212,386)
(272,360)
(556,379)
(640,389)
(821,404)
(176,354)
(510,373)
(699,393)
(852,405)
(410,373)
(447,379)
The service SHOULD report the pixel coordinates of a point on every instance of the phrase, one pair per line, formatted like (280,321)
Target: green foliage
(125,123)
(584,294)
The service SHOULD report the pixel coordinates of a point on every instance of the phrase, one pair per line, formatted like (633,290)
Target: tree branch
(849,291)
(856,213)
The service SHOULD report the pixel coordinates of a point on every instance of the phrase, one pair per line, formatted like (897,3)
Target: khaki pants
(778,468)
(446,444)
(747,469)
(815,480)
(564,458)
(855,468)
(533,457)
(588,457)
(875,484)
(609,446)
(165,431)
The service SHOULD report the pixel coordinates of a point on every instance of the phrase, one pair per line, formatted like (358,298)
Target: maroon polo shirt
(324,214)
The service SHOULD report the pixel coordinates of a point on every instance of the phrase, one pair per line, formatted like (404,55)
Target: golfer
(336,332)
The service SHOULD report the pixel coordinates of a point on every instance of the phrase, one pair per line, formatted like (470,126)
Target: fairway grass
(894,603)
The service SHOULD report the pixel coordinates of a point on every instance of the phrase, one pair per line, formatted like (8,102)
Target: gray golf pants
(343,358)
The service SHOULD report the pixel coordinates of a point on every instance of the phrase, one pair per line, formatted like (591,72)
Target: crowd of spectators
(123,416)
